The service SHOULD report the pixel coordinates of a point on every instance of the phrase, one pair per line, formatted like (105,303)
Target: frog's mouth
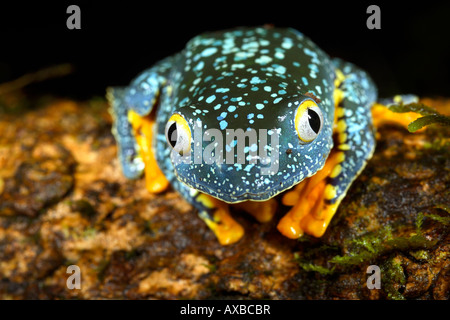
(236,198)
(240,194)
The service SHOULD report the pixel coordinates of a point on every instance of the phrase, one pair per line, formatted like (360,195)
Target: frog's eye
(178,134)
(308,121)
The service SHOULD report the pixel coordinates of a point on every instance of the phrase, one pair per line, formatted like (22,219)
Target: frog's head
(219,150)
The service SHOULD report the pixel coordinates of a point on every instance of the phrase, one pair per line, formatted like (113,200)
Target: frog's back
(260,65)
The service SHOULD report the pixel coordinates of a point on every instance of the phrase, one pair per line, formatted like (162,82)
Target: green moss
(430,115)
(413,107)
(316,268)
(420,254)
(393,277)
(375,244)
(419,222)
(443,220)
(436,217)
(416,241)
(378,249)
(354,259)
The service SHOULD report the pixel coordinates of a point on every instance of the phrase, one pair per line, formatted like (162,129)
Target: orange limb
(263,211)
(381,114)
(226,229)
(155,181)
(310,213)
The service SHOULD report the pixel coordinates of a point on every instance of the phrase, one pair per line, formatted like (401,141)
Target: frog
(317,109)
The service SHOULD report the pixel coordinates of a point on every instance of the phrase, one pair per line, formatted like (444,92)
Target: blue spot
(211,99)
(263,60)
(222,116)
(199,66)
(223,124)
(222,90)
(287,43)
(259,106)
(255,80)
(250,116)
(313,67)
(280,69)
(209,51)
(231,108)
(305,81)
(277,100)
(279,55)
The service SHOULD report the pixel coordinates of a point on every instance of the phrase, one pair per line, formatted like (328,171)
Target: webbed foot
(312,210)
(263,211)
(216,215)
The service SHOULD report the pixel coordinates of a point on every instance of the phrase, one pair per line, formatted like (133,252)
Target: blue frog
(263,78)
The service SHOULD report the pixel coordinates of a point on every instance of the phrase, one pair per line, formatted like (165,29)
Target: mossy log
(64,201)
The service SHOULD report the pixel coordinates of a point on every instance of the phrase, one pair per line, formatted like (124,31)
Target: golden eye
(308,121)
(178,134)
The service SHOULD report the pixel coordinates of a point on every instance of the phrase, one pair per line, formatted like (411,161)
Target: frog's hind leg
(381,113)
(315,200)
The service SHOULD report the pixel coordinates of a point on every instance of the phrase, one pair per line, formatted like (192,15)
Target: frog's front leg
(316,199)
(131,108)
(214,213)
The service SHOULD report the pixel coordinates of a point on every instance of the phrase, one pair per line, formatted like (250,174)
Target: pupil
(314,120)
(172,134)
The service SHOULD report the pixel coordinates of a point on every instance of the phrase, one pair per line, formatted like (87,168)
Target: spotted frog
(316,110)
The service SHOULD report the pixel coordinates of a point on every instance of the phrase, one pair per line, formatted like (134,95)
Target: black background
(410,54)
